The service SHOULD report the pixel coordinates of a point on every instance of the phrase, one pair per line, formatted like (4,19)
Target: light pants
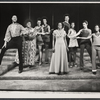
(95,51)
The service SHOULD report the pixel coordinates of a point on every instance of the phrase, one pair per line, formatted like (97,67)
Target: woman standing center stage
(59,60)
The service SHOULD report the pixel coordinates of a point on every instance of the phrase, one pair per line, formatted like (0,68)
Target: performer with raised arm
(73,44)
(46,38)
(85,42)
(13,39)
(59,60)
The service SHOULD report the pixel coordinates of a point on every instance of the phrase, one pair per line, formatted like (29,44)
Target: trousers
(15,42)
(88,47)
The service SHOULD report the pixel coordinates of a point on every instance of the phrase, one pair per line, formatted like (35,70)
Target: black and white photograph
(50,47)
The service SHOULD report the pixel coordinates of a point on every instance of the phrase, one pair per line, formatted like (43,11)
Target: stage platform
(39,79)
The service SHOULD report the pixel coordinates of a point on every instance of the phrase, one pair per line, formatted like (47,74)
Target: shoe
(51,72)
(75,65)
(46,62)
(31,66)
(94,73)
(40,63)
(15,64)
(20,71)
(81,68)
(70,66)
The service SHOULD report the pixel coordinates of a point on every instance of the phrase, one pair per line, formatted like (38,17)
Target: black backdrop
(54,13)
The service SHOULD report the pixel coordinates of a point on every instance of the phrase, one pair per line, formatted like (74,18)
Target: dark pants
(88,47)
(67,40)
(72,55)
(15,42)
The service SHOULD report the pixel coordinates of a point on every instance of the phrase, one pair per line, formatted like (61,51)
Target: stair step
(6,62)
(11,58)
(10,54)
(78,50)
(85,54)
(11,51)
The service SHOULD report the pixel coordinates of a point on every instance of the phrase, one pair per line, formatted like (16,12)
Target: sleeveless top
(73,42)
(45,28)
(46,37)
(96,39)
(85,33)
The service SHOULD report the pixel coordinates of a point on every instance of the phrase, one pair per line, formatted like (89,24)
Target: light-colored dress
(28,48)
(59,60)
(73,42)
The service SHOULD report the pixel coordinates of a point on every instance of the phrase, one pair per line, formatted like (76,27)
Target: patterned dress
(28,48)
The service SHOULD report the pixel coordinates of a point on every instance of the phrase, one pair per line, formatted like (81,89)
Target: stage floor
(38,79)
(42,73)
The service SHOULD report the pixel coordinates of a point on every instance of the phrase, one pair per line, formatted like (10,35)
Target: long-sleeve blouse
(13,30)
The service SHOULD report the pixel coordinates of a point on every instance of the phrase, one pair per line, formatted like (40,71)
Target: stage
(39,79)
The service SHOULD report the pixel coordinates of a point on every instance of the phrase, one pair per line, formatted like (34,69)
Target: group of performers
(64,44)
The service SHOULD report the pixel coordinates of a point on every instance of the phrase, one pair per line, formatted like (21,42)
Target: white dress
(59,60)
(73,42)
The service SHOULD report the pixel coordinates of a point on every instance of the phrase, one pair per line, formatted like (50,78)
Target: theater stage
(39,79)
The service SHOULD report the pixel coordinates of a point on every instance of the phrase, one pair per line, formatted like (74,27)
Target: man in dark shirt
(66,28)
(66,23)
(85,42)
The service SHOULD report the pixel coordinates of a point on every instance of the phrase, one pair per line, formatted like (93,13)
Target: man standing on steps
(66,28)
(13,39)
(85,42)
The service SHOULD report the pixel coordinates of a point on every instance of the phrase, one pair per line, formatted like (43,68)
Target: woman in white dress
(59,60)
(73,44)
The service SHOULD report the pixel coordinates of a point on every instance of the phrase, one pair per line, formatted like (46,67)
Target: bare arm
(74,35)
(53,42)
(89,36)
(48,30)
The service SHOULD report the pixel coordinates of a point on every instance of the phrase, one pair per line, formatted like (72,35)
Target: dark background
(54,13)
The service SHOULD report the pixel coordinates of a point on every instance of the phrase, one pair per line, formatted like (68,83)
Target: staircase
(8,59)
